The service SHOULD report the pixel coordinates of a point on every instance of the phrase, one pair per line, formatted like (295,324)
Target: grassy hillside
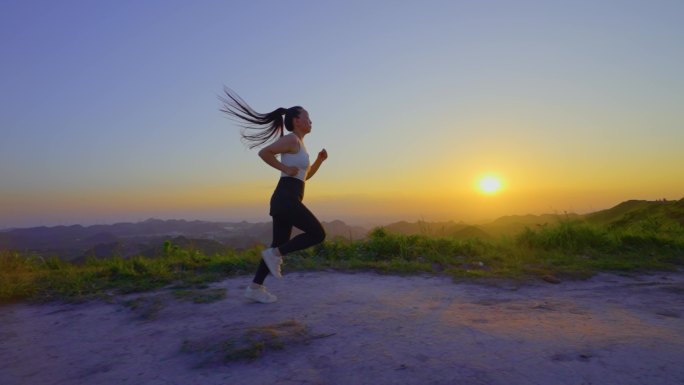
(632,236)
(636,210)
(637,215)
(567,249)
(435,229)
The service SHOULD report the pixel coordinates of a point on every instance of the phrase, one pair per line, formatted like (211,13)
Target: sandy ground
(375,330)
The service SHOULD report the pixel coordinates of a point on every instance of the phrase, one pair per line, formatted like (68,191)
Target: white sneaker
(260,295)
(273,262)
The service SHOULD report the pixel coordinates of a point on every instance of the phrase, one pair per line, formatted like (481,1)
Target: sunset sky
(109,110)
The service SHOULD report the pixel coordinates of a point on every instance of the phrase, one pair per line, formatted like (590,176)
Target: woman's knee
(319,234)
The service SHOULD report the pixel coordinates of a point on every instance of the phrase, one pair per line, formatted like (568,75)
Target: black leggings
(288,211)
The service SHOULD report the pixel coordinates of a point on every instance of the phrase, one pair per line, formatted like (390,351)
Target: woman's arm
(323,155)
(283,145)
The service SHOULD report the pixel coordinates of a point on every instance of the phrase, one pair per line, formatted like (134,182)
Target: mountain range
(147,238)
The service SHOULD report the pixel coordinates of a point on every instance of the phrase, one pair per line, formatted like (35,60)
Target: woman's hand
(286,144)
(323,155)
(290,170)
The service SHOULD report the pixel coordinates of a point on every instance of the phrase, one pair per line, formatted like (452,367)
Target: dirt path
(362,329)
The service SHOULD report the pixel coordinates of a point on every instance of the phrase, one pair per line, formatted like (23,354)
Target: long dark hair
(267,126)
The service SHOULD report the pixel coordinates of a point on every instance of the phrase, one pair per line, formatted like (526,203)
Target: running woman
(286,207)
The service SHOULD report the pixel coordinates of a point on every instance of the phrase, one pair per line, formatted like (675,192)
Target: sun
(490,184)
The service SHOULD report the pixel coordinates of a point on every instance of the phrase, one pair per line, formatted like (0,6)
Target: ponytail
(267,126)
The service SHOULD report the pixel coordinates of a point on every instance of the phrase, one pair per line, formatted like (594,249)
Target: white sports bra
(300,159)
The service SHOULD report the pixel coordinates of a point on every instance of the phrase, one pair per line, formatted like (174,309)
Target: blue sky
(109,110)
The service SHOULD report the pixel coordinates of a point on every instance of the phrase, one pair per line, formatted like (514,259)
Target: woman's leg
(282,230)
(313,232)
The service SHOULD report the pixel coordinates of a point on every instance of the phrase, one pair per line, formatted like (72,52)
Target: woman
(287,209)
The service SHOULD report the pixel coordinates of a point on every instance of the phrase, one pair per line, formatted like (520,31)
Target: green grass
(570,248)
(37,279)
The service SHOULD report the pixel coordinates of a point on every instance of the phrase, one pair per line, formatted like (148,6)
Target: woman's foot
(273,262)
(259,294)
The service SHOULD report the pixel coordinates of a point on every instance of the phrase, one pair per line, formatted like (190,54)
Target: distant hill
(147,238)
(458,230)
(470,232)
(426,228)
(624,214)
(513,224)
(638,211)
(507,225)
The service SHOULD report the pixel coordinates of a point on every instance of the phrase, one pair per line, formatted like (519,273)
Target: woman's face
(302,122)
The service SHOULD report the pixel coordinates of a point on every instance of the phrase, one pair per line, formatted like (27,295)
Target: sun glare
(490,184)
